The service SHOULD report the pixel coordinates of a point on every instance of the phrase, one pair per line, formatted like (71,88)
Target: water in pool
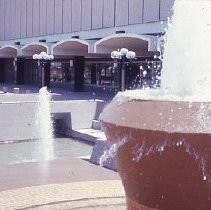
(31,151)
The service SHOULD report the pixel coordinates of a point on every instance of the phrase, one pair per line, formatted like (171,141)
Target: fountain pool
(30,151)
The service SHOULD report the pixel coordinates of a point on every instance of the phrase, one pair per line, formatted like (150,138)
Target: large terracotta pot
(163,152)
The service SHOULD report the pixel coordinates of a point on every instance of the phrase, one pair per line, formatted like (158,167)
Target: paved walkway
(79,195)
(60,184)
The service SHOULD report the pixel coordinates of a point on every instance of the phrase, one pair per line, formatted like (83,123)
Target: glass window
(61,72)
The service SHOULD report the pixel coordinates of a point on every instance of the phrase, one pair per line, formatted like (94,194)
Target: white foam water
(111,152)
(44,125)
(186,68)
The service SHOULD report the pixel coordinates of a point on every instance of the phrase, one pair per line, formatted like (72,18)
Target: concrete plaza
(59,184)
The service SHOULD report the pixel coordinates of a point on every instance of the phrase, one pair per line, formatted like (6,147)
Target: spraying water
(45,126)
(186,72)
(186,67)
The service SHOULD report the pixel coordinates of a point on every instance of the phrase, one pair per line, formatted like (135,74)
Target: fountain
(162,137)
(45,126)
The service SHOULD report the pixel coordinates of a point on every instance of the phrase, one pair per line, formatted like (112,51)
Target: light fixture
(122,56)
(42,59)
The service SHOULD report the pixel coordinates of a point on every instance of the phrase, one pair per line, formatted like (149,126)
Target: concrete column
(20,73)
(2,70)
(79,65)
(47,69)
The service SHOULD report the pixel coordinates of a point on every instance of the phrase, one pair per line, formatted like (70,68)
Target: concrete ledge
(88,134)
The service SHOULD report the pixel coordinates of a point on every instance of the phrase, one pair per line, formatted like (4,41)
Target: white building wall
(97,14)
(108,13)
(23,18)
(2,19)
(29,18)
(12,19)
(7,17)
(58,16)
(151,11)
(67,18)
(18,19)
(136,11)
(165,8)
(121,13)
(36,18)
(50,16)
(86,15)
(76,15)
(43,17)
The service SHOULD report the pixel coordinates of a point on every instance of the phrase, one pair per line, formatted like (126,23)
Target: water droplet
(162,149)
(204,178)
(144,73)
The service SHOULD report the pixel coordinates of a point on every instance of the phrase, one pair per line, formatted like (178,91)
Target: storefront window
(99,74)
(61,72)
(87,74)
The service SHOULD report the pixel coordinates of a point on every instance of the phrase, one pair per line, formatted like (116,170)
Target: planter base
(162,152)
(132,205)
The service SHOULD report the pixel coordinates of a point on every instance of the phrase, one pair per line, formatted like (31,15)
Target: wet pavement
(49,172)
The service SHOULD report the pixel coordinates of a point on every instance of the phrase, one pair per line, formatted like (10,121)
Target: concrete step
(88,134)
(96,124)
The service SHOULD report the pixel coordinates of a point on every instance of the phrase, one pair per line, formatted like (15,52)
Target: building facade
(81,34)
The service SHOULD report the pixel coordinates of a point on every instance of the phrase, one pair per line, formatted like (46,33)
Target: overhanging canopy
(8,51)
(34,48)
(137,43)
(71,47)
